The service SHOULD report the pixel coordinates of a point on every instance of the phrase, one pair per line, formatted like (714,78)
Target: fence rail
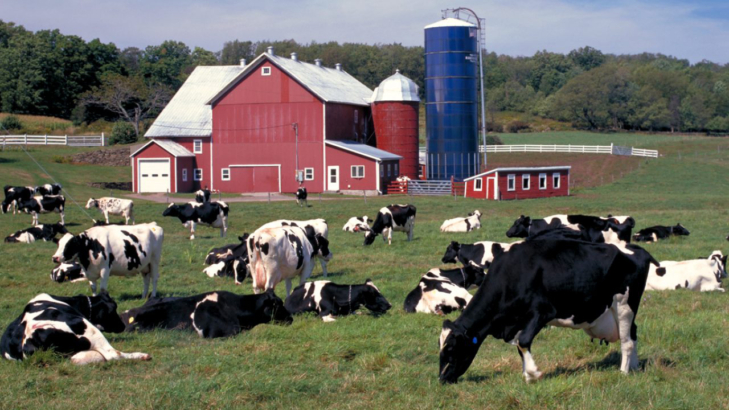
(73,140)
(579,149)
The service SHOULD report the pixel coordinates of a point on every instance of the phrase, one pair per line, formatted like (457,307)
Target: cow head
(451,253)
(721,261)
(475,274)
(61,273)
(6,205)
(68,249)
(273,307)
(57,228)
(477,213)
(103,314)
(680,230)
(370,238)
(172,210)
(322,245)
(373,299)
(457,350)
(520,228)
(92,203)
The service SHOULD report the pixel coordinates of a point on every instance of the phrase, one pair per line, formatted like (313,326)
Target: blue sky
(694,30)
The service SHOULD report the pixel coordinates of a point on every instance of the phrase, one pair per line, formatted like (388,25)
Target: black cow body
(70,326)
(202,196)
(213,214)
(48,189)
(43,205)
(480,254)
(582,227)
(330,300)
(654,233)
(211,315)
(443,291)
(71,272)
(229,260)
(46,233)
(392,218)
(589,286)
(14,195)
(301,196)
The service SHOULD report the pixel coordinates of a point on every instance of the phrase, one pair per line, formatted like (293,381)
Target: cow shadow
(483,377)
(330,274)
(132,296)
(7,160)
(608,363)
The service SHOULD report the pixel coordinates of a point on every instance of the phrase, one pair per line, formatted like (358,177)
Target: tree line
(49,73)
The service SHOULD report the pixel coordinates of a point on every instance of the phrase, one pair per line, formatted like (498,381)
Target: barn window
(478,184)
(555,180)
(382,170)
(197,146)
(357,171)
(266,71)
(184,175)
(225,174)
(397,169)
(356,114)
(525,182)
(389,170)
(511,182)
(197,176)
(542,181)
(309,174)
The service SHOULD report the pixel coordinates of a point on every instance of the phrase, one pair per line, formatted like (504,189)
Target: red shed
(162,166)
(360,167)
(519,183)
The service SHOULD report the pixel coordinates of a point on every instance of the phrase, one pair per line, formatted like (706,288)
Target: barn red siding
(152,151)
(534,191)
(396,124)
(340,123)
(345,160)
(185,184)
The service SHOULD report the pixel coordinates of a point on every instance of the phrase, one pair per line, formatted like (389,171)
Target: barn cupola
(269,51)
(294,56)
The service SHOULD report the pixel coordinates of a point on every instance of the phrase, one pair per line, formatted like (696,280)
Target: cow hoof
(532,377)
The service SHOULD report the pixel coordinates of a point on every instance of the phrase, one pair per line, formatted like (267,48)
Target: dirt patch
(120,186)
(114,157)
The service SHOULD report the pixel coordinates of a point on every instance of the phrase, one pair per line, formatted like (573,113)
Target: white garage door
(154,175)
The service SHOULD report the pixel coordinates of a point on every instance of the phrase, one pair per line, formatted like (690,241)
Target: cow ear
(447,324)
(368,281)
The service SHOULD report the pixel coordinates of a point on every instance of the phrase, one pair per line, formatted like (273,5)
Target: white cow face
(68,249)
(92,203)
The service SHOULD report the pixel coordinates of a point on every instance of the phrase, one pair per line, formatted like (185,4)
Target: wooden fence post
(25,139)
(45,139)
(102,139)
(65,139)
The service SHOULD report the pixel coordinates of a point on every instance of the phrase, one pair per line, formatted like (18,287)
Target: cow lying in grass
(44,232)
(229,260)
(467,224)
(443,291)
(654,233)
(70,272)
(357,224)
(701,275)
(330,300)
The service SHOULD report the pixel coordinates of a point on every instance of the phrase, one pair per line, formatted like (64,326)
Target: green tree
(234,51)
(166,64)
(587,58)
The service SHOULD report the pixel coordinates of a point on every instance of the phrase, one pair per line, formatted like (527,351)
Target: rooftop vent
(269,50)
(242,62)
(294,56)
(338,66)
(318,62)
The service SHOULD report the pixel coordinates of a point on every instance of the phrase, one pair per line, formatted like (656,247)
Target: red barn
(519,183)
(251,128)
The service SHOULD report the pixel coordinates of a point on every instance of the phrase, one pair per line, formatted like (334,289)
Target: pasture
(391,361)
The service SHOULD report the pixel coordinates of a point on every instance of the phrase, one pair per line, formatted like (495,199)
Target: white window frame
(528,179)
(195,176)
(478,184)
(308,174)
(184,175)
(556,177)
(265,71)
(353,171)
(225,174)
(511,182)
(543,177)
(197,146)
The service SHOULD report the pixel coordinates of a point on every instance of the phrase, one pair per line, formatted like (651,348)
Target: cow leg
(288,287)
(92,283)
(524,338)
(145,278)
(63,218)
(628,336)
(410,231)
(104,274)
(192,230)
(101,350)
(324,267)
(106,216)
(154,272)
(528,366)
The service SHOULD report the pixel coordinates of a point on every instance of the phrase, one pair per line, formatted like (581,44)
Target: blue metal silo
(451,75)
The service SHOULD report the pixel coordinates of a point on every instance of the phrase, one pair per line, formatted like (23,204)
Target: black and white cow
(213,214)
(49,189)
(443,291)
(467,224)
(113,250)
(202,196)
(278,254)
(357,224)
(480,254)
(70,272)
(701,275)
(330,300)
(392,218)
(229,260)
(654,233)
(312,228)
(113,206)
(301,196)
(44,232)
(211,314)
(43,205)
(590,228)
(589,286)
(14,195)
(70,326)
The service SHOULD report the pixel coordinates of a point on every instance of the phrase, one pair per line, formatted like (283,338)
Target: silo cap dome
(396,87)
(450,22)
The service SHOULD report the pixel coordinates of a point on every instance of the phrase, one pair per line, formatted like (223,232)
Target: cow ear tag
(475,341)
(131,320)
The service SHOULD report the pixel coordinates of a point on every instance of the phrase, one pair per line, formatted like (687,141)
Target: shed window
(197,146)
(184,175)
(382,170)
(266,71)
(542,181)
(356,114)
(511,182)
(389,170)
(397,170)
(525,182)
(357,171)
(198,174)
(225,174)
(478,184)
(309,174)
(555,180)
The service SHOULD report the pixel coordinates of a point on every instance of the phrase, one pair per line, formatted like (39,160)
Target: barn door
(491,188)
(333,178)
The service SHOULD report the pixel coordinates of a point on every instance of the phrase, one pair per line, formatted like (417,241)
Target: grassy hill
(391,361)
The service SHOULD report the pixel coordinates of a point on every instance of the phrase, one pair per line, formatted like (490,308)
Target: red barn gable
(519,183)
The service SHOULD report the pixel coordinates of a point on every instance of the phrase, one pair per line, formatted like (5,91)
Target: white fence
(579,149)
(73,140)
(416,187)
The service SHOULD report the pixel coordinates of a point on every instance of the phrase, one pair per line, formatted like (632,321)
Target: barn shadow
(608,363)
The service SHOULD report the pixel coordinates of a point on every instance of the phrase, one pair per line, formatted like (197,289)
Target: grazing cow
(113,206)
(467,224)
(68,325)
(229,260)
(213,214)
(301,196)
(202,196)
(654,233)
(525,226)
(45,232)
(48,189)
(330,300)
(582,285)
(71,272)
(211,314)
(585,227)
(701,275)
(105,251)
(480,254)
(443,291)
(14,195)
(278,254)
(392,218)
(43,205)
(312,227)
(358,224)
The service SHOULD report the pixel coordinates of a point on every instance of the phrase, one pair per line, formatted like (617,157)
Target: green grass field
(390,361)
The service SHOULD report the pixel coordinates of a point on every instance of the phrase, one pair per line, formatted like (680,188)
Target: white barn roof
(187,115)
(396,87)
(172,147)
(363,149)
(520,169)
